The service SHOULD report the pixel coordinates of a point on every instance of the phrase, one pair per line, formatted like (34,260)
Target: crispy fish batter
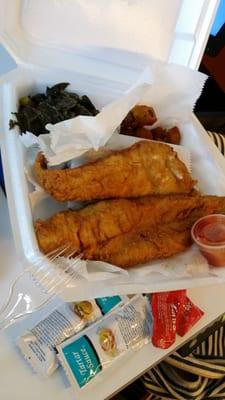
(144,168)
(92,229)
(132,249)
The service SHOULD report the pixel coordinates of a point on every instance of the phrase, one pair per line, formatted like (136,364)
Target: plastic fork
(38,284)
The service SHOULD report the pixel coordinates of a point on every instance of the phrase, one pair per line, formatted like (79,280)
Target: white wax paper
(171,89)
(184,265)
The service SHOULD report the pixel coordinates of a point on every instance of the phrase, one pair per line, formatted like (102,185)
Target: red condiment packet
(173,312)
(164,320)
(188,315)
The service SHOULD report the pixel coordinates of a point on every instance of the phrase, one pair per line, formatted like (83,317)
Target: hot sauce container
(209,235)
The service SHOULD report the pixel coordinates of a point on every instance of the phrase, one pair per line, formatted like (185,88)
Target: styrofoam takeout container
(51,42)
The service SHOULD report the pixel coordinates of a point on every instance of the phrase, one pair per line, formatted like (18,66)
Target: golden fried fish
(144,168)
(127,231)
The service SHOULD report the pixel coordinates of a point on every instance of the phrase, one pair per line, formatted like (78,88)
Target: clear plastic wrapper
(98,347)
(38,344)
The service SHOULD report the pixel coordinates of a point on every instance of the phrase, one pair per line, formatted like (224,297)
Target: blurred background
(210,108)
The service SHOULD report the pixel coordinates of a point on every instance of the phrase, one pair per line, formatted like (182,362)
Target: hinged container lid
(88,34)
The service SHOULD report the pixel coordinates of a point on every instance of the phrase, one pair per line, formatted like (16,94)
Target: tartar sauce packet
(86,354)
(38,345)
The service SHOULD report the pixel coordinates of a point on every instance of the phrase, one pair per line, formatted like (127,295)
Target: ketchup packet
(188,315)
(173,312)
(164,320)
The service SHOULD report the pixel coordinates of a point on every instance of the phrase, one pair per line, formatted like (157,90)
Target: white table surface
(17,381)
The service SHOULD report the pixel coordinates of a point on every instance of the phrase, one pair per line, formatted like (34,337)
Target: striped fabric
(213,348)
(199,376)
(219,140)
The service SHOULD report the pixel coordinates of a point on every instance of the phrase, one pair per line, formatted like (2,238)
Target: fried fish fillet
(142,169)
(88,230)
(132,249)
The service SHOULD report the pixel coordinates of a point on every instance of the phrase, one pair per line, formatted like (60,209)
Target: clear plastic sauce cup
(209,235)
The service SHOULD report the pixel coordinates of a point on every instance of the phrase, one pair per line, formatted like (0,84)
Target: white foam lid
(84,34)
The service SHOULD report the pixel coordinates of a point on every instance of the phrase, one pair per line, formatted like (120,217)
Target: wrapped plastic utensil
(38,284)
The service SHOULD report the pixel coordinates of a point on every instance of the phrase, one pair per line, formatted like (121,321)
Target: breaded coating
(144,168)
(103,229)
(133,249)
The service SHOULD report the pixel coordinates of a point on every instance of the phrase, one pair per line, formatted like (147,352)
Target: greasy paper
(170,89)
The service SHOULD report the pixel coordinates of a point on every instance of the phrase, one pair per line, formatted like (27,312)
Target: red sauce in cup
(209,235)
